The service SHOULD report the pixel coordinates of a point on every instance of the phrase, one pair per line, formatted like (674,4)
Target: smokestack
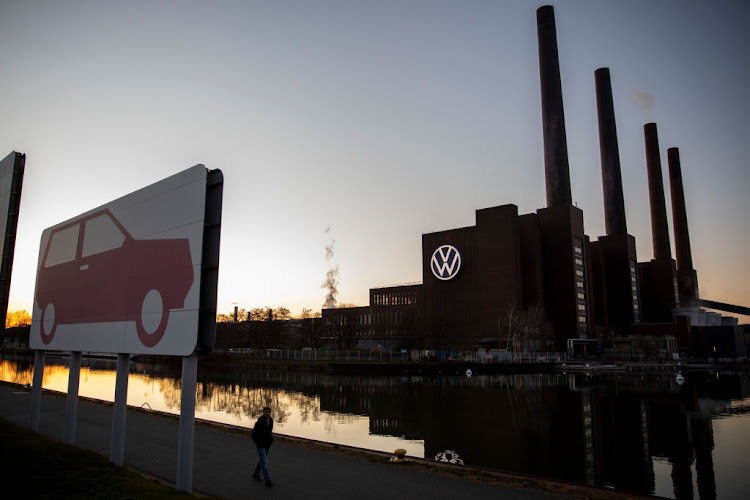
(557,173)
(687,278)
(614,204)
(679,213)
(659,229)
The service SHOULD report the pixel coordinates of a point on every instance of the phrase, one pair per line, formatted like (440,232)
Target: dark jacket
(262,436)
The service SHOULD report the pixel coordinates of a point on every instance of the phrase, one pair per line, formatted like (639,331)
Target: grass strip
(34,466)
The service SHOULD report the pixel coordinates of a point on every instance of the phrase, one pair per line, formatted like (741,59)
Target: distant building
(392,320)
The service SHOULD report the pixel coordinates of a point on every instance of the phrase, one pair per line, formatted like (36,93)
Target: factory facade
(536,282)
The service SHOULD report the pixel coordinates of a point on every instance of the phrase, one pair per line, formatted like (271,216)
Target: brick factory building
(534,282)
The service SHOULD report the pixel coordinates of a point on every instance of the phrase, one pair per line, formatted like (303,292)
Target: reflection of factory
(536,280)
(606,430)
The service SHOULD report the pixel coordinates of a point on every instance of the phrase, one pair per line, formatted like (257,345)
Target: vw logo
(445,263)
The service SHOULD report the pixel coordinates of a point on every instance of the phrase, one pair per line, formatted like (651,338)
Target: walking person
(263,438)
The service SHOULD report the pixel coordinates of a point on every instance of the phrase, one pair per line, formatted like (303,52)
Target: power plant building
(521,277)
(534,282)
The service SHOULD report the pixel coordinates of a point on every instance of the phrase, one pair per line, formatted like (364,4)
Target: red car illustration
(94,271)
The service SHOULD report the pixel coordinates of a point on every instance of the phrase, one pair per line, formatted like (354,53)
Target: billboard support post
(117,445)
(71,403)
(36,390)
(187,424)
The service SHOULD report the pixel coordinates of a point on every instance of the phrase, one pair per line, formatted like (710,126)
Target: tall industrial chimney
(659,228)
(614,204)
(679,213)
(557,173)
(686,276)
(613,256)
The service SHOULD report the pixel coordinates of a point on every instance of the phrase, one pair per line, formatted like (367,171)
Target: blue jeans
(262,464)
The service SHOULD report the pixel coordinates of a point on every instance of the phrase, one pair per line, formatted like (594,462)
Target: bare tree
(229,318)
(258,314)
(342,325)
(518,329)
(280,314)
(509,327)
(17,318)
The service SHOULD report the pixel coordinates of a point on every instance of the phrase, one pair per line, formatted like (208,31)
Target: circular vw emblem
(446,261)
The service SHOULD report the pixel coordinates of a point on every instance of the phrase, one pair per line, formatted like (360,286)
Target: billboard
(11,181)
(126,277)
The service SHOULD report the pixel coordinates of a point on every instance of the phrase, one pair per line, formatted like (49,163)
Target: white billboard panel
(125,277)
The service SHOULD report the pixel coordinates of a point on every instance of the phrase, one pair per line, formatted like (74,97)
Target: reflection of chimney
(556,169)
(614,205)
(686,275)
(659,229)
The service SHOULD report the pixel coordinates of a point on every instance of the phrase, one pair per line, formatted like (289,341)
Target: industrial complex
(536,282)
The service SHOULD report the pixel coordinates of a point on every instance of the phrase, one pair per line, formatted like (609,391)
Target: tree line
(17,318)
(265,314)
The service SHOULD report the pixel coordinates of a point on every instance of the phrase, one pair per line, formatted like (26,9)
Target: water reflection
(646,434)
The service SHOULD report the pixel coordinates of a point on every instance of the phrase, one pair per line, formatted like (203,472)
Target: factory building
(485,282)
(535,281)
(394,319)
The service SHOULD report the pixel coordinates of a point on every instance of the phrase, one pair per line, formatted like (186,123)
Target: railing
(523,357)
(318,355)
(396,357)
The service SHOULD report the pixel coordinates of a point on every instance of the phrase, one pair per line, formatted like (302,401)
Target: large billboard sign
(126,277)
(11,181)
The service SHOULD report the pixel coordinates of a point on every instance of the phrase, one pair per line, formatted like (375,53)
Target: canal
(646,433)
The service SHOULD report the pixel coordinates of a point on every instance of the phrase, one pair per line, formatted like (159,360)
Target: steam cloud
(643,100)
(332,276)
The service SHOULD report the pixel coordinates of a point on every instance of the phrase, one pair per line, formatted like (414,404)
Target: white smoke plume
(643,100)
(332,276)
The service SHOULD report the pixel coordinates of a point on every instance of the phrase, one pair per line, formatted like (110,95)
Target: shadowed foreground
(223,460)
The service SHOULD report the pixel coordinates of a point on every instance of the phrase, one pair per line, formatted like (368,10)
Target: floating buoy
(468,372)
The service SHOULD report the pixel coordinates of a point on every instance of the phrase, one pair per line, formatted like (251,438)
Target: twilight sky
(382,120)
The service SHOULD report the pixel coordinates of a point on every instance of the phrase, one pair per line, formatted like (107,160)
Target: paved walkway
(223,458)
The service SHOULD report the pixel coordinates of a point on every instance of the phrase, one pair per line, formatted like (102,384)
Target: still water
(643,433)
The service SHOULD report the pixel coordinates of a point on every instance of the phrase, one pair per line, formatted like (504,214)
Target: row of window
(580,282)
(386,318)
(634,286)
(385,333)
(394,298)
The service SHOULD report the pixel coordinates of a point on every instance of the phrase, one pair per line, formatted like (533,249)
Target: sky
(364,124)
